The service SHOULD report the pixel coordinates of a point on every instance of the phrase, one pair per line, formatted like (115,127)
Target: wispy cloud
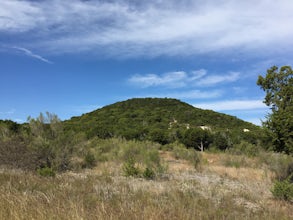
(232,105)
(181,79)
(148,28)
(33,55)
(9,112)
(186,95)
(172,79)
(216,79)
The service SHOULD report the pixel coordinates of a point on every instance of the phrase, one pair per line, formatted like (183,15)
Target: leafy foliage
(283,190)
(89,160)
(163,121)
(197,138)
(245,148)
(8,128)
(130,168)
(46,172)
(278,85)
(148,173)
(37,144)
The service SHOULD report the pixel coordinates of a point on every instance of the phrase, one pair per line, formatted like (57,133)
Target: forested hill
(141,117)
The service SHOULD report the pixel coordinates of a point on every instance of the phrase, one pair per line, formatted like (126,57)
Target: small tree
(197,138)
(278,85)
(47,139)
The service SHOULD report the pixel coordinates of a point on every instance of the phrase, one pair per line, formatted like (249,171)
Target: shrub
(89,160)
(15,153)
(283,190)
(148,173)
(244,148)
(130,168)
(46,172)
(280,164)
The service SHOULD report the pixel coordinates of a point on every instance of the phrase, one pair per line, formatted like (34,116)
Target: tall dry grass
(110,196)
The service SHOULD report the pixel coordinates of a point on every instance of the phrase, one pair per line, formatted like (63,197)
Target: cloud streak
(232,105)
(171,79)
(180,79)
(10,112)
(33,55)
(216,79)
(148,28)
(188,95)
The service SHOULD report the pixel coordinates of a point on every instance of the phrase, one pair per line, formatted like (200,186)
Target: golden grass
(217,192)
(242,173)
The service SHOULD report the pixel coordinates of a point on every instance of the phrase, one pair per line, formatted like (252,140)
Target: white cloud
(148,28)
(31,54)
(197,74)
(19,16)
(9,112)
(191,94)
(216,79)
(171,79)
(183,79)
(228,105)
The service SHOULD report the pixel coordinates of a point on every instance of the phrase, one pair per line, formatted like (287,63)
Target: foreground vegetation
(216,189)
(127,179)
(46,173)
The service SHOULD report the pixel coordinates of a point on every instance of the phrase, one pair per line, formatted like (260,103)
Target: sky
(70,57)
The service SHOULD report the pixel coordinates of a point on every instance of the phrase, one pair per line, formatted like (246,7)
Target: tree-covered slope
(141,117)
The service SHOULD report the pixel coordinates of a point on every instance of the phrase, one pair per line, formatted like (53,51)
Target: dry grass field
(222,187)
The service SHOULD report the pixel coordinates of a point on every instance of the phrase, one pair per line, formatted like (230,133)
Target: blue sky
(70,57)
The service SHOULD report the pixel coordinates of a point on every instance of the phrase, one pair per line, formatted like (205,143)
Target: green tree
(278,85)
(159,135)
(221,140)
(197,138)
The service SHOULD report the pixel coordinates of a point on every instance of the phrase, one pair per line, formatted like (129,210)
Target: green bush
(148,173)
(46,172)
(245,148)
(130,168)
(283,190)
(89,160)
(280,164)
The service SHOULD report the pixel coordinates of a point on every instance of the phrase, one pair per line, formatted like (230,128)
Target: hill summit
(140,118)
